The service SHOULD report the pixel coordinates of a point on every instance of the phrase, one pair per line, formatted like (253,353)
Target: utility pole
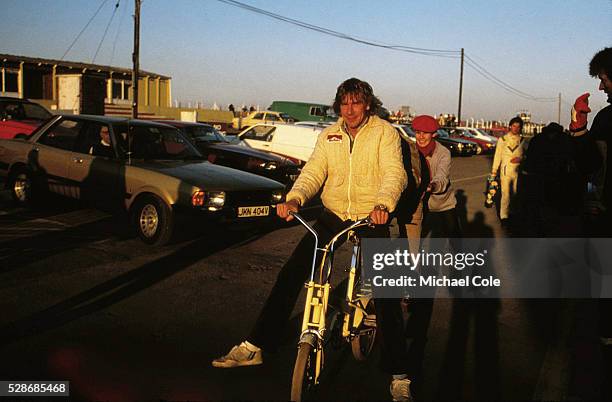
(135,59)
(559,110)
(460,89)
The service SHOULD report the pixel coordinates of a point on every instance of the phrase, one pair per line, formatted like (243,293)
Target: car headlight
(268,165)
(277,196)
(460,146)
(214,200)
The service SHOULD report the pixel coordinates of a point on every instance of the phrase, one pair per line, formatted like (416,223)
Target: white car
(288,140)
(320,124)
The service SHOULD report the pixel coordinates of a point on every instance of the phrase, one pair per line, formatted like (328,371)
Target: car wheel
(153,220)
(21,186)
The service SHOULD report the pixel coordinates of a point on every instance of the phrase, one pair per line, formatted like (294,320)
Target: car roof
(114,120)
(179,123)
(13,99)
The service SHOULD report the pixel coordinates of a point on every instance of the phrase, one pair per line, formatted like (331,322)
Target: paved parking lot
(84,300)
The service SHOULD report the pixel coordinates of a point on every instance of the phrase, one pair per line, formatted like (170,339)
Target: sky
(218,53)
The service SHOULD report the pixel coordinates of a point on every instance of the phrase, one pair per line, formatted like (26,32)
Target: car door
(51,153)
(259,137)
(93,170)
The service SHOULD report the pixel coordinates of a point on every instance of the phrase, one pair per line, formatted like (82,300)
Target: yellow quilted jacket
(355,175)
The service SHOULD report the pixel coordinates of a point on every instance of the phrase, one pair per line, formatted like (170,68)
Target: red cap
(425,123)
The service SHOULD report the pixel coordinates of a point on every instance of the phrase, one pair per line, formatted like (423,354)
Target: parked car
(265,116)
(20,117)
(405,131)
(218,149)
(457,146)
(151,170)
(320,124)
(478,133)
(484,146)
(288,140)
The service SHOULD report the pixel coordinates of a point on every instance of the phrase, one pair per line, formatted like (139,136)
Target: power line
(489,76)
(118,31)
(105,31)
(409,49)
(84,28)
(330,32)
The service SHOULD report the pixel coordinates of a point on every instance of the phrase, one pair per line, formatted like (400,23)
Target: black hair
(601,62)
(361,90)
(516,120)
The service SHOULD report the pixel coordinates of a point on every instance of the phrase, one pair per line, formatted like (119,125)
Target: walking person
(358,164)
(508,156)
(439,202)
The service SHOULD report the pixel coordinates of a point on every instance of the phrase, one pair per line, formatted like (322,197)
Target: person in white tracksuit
(508,156)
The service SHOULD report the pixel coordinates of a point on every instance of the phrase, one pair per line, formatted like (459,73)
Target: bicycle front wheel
(304,372)
(363,342)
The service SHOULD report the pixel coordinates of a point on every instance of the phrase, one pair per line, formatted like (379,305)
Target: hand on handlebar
(282,210)
(379,216)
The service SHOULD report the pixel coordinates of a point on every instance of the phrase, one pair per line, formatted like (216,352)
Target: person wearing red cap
(441,216)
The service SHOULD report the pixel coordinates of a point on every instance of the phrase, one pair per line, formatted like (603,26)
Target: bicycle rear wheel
(363,342)
(304,372)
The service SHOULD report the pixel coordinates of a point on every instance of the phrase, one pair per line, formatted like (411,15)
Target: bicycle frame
(317,294)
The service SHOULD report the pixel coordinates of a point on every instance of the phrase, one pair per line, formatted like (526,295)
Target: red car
(20,117)
(484,147)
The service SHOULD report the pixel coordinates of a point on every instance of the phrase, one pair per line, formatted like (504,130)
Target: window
(258,116)
(12,110)
(271,117)
(203,133)
(63,135)
(152,142)
(316,111)
(10,81)
(35,112)
(259,133)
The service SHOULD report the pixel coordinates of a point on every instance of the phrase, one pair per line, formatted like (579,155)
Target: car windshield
(153,142)
(23,111)
(466,133)
(408,130)
(204,133)
(442,133)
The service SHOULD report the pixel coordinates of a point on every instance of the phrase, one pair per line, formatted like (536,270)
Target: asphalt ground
(83,300)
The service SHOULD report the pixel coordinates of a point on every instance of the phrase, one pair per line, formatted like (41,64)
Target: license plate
(245,212)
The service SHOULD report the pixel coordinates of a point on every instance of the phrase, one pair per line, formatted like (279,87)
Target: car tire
(153,220)
(21,186)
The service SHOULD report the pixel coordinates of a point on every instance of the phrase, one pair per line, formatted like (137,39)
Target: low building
(79,87)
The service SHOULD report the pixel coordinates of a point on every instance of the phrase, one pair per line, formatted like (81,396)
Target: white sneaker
(240,355)
(400,390)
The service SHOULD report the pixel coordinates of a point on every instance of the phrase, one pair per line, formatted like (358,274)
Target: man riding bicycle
(358,164)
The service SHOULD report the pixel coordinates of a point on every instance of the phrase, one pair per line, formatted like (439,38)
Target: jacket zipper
(351,144)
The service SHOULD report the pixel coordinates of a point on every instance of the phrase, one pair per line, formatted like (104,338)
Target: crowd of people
(363,168)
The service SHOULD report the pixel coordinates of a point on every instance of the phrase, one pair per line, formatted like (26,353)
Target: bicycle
(356,313)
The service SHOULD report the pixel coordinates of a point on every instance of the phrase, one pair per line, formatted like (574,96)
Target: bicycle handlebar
(362,222)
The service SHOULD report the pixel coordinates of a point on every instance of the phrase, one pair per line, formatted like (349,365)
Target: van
(305,111)
(293,142)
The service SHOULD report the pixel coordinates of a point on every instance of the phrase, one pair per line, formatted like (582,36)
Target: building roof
(73,64)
